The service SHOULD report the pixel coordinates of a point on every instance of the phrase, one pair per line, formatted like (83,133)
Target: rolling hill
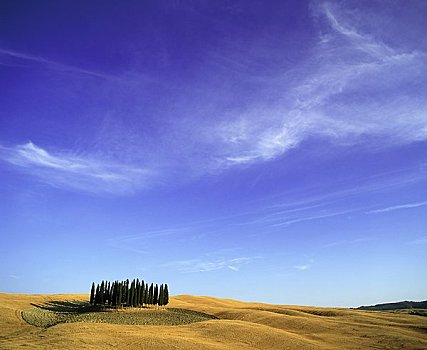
(214,324)
(397,306)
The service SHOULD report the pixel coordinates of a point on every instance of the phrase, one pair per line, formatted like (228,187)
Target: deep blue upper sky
(260,150)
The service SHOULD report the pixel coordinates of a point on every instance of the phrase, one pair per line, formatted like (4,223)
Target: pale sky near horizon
(269,151)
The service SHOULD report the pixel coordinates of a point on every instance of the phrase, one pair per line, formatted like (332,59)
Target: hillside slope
(397,306)
(239,325)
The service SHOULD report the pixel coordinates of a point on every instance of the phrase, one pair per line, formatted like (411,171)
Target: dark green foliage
(108,294)
(119,294)
(97,301)
(124,293)
(141,293)
(101,293)
(151,294)
(138,290)
(161,295)
(166,295)
(146,292)
(156,295)
(129,294)
(92,293)
(135,297)
(113,294)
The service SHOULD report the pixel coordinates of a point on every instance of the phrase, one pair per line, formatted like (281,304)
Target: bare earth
(239,325)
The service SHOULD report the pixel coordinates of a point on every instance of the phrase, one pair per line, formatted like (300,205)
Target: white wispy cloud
(348,242)
(207,264)
(331,95)
(365,42)
(71,171)
(302,267)
(312,217)
(288,208)
(350,88)
(15,58)
(398,207)
(306,266)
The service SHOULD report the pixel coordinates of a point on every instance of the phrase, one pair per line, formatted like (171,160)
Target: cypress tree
(105,292)
(97,295)
(101,293)
(113,294)
(146,294)
(136,295)
(120,294)
(123,300)
(108,292)
(161,296)
(132,293)
(136,292)
(92,294)
(127,293)
(150,294)
(165,295)
(142,292)
(156,294)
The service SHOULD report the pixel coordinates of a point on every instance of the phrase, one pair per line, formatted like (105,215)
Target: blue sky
(263,151)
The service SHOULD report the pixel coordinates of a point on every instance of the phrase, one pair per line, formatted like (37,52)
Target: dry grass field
(192,322)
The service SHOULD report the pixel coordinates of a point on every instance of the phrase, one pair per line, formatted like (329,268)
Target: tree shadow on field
(68,306)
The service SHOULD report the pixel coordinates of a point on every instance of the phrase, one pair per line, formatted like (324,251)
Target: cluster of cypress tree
(129,294)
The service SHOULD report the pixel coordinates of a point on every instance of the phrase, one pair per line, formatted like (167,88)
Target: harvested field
(53,313)
(190,322)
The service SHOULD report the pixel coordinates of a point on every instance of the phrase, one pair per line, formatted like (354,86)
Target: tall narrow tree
(123,302)
(101,293)
(97,295)
(108,292)
(156,294)
(161,296)
(165,295)
(141,293)
(127,293)
(146,294)
(131,293)
(135,296)
(113,294)
(137,293)
(120,294)
(150,294)
(92,293)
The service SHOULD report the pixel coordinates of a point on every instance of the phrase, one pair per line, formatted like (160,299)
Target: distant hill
(396,306)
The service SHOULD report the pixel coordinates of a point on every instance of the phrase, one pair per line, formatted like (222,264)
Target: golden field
(240,325)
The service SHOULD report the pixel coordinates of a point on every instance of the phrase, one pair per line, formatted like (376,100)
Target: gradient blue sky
(261,150)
